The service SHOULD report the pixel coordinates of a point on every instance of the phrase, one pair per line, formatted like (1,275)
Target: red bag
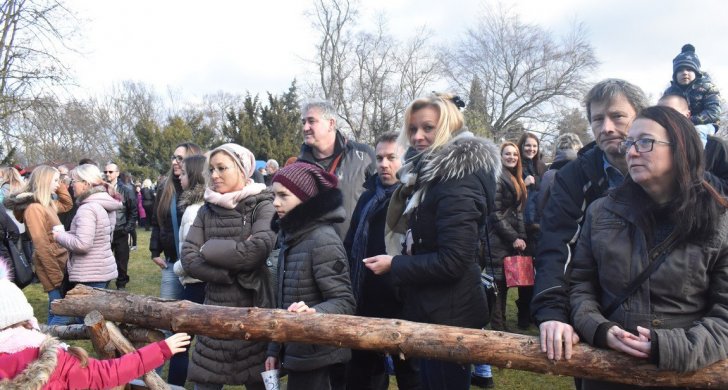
(518,270)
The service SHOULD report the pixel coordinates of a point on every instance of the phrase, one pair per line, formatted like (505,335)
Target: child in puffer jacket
(30,359)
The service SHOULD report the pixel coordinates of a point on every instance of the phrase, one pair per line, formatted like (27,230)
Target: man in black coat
(375,295)
(125,223)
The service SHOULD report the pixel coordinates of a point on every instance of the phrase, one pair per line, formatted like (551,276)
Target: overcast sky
(199,47)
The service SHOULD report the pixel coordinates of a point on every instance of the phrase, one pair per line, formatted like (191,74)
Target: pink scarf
(231,199)
(14,340)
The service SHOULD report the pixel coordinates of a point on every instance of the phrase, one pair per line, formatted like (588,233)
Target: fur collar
(192,196)
(463,155)
(93,190)
(20,201)
(37,373)
(326,207)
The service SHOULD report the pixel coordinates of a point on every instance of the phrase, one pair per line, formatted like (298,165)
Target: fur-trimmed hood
(465,154)
(38,373)
(99,194)
(192,196)
(19,202)
(326,207)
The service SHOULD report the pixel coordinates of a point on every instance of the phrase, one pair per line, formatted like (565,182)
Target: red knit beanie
(305,180)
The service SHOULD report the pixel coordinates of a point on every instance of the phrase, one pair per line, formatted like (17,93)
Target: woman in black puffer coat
(226,247)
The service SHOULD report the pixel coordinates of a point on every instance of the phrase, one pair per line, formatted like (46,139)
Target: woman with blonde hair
(447,190)
(34,205)
(92,262)
(11,181)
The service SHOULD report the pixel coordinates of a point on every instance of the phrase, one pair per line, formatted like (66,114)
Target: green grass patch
(145,279)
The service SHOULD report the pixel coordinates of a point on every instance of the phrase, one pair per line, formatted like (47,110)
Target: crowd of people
(623,260)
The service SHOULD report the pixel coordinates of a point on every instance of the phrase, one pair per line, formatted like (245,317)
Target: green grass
(145,279)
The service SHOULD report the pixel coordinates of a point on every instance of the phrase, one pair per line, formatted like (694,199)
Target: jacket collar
(326,207)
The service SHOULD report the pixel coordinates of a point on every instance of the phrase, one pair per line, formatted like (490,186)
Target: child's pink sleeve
(102,374)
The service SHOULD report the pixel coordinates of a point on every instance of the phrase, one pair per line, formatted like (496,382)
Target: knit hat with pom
(14,307)
(687,57)
(243,158)
(305,180)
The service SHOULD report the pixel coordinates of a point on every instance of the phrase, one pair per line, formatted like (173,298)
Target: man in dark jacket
(375,295)
(125,223)
(324,145)
(611,107)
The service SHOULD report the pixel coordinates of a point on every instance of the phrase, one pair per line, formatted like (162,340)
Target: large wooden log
(134,334)
(151,378)
(394,336)
(100,338)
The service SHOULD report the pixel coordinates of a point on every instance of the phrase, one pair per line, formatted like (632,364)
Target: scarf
(231,199)
(359,246)
(14,340)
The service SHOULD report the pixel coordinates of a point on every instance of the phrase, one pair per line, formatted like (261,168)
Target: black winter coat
(162,240)
(313,268)
(505,223)
(227,248)
(440,279)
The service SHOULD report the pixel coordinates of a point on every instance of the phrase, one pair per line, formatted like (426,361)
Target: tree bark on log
(151,378)
(397,337)
(134,334)
(100,338)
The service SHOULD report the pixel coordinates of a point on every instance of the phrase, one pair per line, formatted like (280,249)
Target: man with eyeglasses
(125,223)
(611,106)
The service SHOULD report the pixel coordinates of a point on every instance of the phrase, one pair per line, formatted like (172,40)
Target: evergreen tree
(476,115)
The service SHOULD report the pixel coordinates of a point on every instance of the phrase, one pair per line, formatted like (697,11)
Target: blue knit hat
(688,58)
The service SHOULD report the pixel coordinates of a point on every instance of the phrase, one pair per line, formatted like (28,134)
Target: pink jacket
(50,367)
(89,239)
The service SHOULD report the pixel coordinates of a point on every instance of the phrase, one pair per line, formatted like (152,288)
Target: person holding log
(30,359)
(661,293)
(227,247)
(313,270)
(447,191)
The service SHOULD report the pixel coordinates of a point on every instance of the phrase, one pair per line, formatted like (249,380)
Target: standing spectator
(140,208)
(611,106)
(667,223)
(313,275)
(193,183)
(12,182)
(533,168)
(227,247)
(565,150)
(165,221)
(271,167)
(444,198)
(34,205)
(89,240)
(148,202)
(375,295)
(324,145)
(125,224)
(67,217)
(507,233)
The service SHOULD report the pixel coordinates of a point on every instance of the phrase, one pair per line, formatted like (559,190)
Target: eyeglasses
(107,172)
(179,159)
(641,145)
(219,170)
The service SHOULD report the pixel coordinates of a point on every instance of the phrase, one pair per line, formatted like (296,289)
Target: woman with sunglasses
(165,221)
(667,223)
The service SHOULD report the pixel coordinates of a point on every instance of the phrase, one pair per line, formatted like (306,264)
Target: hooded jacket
(50,367)
(452,196)
(89,239)
(228,248)
(49,257)
(703,98)
(356,164)
(313,268)
(684,302)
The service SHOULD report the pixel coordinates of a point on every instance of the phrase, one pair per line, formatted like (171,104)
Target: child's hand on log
(178,342)
(300,307)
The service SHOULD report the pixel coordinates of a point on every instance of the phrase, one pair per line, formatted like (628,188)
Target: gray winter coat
(227,249)
(313,268)
(356,164)
(684,302)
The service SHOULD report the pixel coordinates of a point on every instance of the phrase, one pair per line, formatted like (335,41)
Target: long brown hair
(516,175)
(538,155)
(169,191)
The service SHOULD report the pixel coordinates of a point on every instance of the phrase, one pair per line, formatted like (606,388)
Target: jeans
(52,318)
(171,288)
(441,375)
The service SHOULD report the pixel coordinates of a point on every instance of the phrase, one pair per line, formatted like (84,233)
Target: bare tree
(368,75)
(33,34)
(523,69)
